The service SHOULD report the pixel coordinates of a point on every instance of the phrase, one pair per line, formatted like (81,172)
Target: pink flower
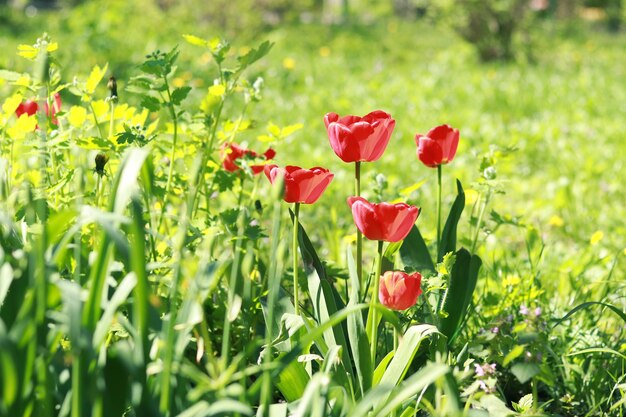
(231,152)
(399,290)
(301,185)
(355,138)
(438,146)
(384,221)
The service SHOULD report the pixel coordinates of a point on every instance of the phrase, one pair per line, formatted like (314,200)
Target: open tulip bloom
(359,139)
(438,146)
(231,152)
(301,186)
(399,290)
(30,107)
(383,221)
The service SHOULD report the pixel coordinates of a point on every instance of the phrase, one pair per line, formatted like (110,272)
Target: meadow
(150,268)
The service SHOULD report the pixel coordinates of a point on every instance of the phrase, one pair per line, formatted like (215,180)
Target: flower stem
(359,235)
(111,120)
(535,395)
(438,210)
(373,302)
(480,220)
(296,215)
(234,273)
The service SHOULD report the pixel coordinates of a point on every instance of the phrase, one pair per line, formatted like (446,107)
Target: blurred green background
(536,87)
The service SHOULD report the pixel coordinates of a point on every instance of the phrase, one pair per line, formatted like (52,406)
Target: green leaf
(459,294)
(513,354)
(10,76)
(448,236)
(94,78)
(414,252)
(179,94)
(357,336)
(579,307)
(524,371)
(389,255)
(194,40)
(254,55)
(324,296)
(292,381)
(495,406)
(598,350)
(405,353)
(151,103)
(411,387)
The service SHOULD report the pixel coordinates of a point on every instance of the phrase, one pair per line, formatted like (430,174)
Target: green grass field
(163,284)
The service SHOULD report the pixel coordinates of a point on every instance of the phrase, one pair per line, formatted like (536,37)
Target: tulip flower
(399,290)
(301,186)
(438,146)
(56,107)
(30,107)
(384,221)
(435,149)
(231,152)
(359,139)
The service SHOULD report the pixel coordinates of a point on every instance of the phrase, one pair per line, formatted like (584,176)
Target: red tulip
(356,138)
(29,107)
(231,152)
(56,107)
(301,185)
(399,290)
(438,146)
(384,221)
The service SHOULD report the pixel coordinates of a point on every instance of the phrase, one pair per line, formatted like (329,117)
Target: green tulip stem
(438,210)
(296,216)
(374,301)
(359,235)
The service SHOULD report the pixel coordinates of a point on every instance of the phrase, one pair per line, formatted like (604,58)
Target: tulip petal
(330,118)
(429,152)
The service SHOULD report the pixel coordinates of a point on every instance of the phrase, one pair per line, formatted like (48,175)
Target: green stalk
(111,120)
(273,288)
(95,120)
(438,209)
(233,276)
(359,235)
(374,301)
(535,395)
(480,220)
(168,184)
(294,249)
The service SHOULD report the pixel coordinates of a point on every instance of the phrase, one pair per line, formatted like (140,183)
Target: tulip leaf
(292,381)
(459,294)
(324,296)
(407,349)
(448,236)
(414,252)
(389,255)
(359,342)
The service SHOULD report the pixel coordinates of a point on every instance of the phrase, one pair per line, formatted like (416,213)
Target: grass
(186,320)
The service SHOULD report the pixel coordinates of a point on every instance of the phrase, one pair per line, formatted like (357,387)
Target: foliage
(150,281)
